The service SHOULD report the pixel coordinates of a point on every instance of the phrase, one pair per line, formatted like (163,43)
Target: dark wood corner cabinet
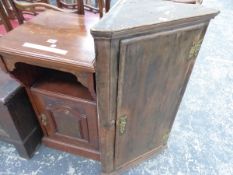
(112,97)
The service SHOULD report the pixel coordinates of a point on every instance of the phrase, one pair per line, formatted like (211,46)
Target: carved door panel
(68,120)
(153,73)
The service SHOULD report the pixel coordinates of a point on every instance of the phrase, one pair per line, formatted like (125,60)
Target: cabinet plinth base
(73,149)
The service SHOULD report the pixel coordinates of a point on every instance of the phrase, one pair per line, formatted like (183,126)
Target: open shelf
(62,83)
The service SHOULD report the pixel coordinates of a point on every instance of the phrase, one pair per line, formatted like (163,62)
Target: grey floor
(201,141)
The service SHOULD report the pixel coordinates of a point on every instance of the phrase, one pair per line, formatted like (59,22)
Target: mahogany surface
(70,112)
(72,33)
(60,86)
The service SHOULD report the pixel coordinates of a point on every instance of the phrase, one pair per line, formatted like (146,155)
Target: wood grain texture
(72,33)
(143,74)
(67,114)
(106,85)
(153,73)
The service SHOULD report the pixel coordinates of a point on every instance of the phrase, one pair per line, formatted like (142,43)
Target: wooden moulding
(106,78)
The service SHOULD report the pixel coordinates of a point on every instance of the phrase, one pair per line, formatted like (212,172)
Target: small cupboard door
(153,73)
(70,121)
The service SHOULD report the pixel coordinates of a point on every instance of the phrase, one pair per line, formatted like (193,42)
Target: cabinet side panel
(153,73)
(106,84)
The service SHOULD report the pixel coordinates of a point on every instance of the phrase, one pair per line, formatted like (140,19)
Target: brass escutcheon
(44,119)
(122,124)
(195,49)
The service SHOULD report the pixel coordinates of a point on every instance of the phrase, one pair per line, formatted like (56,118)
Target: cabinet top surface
(131,14)
(54,37)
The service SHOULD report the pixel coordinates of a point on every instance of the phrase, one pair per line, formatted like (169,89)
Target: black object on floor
(18,124)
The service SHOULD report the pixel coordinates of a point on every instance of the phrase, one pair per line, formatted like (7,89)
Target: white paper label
(52,41)
(45,48)
(53,45)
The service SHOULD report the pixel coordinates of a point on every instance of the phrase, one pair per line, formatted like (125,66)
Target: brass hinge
(195,49)
(165,138)
(44,119)
(122,122)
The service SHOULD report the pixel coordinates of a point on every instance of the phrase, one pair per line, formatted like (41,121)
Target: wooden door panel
(73,118)
(69,123)
(49,127)
(153,73)
(69,120)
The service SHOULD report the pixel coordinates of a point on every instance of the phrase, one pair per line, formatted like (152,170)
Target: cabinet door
(69,120)
(153,73)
